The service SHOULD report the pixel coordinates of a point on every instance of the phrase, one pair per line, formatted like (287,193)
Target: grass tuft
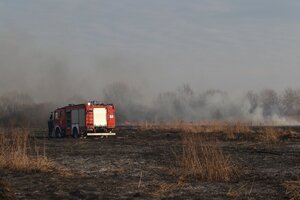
(205,160)
(292,189)
(269,135)
(6,191)
(17,154)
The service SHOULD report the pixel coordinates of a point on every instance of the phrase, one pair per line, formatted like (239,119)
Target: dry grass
(292,189)
(6,191)
(205,160)
(241,192)
(163,188)
(170,127)
(269,135)
(202,158)
(233,193)
(197,127)
(16,153)
(232,129)
(167,187)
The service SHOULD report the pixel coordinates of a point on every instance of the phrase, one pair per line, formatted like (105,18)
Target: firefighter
(50,125)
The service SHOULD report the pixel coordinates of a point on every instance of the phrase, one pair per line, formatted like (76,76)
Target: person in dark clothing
(50,125)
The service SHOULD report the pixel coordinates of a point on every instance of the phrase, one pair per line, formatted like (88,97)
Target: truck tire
(58,133)
(75,133)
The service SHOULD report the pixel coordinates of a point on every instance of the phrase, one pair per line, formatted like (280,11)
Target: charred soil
(139,164)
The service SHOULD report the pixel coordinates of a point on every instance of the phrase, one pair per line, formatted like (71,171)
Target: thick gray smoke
(25,69)
(184,104)
(29,77)
(59,76)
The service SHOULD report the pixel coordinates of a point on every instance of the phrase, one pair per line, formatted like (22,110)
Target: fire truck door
(75,119)
(81,117)
(100,117)
(68,119)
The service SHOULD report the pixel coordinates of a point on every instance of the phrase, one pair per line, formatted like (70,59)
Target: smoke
(34,81)
(59,75)
(265,107)
(19,110)
(183,104)
(128,101)
(27,69)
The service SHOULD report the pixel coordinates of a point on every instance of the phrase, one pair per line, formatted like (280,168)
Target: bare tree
(269,102)
(253,99)
(290,102)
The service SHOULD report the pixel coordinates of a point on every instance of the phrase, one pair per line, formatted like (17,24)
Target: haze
(58,48)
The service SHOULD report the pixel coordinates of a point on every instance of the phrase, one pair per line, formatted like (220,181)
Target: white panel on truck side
(82,117)
(100,117)
(74,114)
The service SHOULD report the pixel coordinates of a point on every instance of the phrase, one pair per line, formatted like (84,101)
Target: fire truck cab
(91,119)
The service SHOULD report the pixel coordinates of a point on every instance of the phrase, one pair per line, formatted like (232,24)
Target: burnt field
(153,163)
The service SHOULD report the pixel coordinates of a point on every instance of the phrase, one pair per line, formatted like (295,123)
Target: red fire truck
(91,119)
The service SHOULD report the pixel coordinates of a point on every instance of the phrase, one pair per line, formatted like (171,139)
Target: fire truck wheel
(58,133)
(75,133)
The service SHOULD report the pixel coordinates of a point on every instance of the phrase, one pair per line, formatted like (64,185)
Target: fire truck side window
(56,115)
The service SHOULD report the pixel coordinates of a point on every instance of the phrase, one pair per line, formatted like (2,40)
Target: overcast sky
(156,45)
